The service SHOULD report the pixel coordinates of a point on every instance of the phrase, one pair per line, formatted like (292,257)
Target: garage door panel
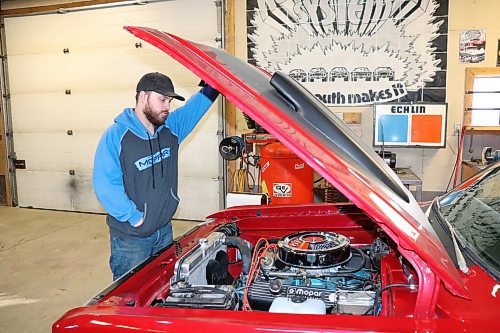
(200,165)
(33,73)
(56,142)
(77,103)
(194,192)
(101,70)
(199,155)
(25,123)
(46,113)
(111,37)
(31,116)
(57,152)
(207,125)
(34,119)
(98,29)
(56,162)
(51,73)
(57,190)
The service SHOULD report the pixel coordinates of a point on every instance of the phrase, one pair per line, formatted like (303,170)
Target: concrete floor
(51,262)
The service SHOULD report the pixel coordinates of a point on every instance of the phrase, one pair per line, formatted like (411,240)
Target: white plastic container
(309,306)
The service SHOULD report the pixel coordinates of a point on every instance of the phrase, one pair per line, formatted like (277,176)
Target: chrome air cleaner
(314,249)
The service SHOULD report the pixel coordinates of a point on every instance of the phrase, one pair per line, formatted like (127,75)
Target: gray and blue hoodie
(136,173)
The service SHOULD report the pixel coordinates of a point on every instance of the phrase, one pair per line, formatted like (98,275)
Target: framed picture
(410,125)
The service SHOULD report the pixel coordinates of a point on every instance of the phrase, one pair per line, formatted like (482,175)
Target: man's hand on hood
(208,91)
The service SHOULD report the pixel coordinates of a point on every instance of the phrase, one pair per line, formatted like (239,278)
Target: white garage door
(56,132)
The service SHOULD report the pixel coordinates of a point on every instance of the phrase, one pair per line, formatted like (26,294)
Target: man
(136,171)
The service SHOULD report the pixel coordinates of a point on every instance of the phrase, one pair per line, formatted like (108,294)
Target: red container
(285,177)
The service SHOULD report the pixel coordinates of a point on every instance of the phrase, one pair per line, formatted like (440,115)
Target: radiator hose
(246,254)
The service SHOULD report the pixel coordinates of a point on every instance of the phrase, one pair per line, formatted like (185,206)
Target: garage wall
(100,68)
(434,166)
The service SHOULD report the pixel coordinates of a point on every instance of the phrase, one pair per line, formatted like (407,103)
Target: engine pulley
(314,249)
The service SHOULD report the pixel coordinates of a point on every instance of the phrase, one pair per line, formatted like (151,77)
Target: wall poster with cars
(472,46)
(354,52)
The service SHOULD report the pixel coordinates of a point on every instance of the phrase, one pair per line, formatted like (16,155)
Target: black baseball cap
(159,83)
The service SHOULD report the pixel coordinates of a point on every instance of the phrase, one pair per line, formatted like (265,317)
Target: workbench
(411,181)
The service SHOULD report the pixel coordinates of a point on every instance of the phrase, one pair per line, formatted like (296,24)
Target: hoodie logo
(148,161)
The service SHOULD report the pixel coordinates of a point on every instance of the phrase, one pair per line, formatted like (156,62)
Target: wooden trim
(483,129)
(231,49)
(230,119)
(4,162)
(469,84)
(4,167)
(52,8)
(483,71)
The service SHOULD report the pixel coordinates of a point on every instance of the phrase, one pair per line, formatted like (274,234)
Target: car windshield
(474,212)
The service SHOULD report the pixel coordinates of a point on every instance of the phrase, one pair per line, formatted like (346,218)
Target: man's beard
(154,118)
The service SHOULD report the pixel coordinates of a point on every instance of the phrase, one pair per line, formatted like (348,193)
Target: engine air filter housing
(314,249)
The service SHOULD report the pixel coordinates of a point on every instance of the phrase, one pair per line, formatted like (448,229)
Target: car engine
(310,272)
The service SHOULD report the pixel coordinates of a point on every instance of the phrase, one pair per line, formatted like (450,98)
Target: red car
(477,43)
(377,264)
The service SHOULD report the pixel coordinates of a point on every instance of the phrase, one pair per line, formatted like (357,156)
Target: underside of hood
(297,119)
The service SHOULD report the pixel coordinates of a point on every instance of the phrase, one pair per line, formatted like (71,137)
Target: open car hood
(301,122)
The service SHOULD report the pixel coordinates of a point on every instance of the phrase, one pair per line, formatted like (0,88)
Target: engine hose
(378,294)
(356,269)
(246,254)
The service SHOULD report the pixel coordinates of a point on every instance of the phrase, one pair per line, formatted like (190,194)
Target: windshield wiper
(462,265)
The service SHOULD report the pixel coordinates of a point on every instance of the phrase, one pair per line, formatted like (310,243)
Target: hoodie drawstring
(152,159)
(161,155)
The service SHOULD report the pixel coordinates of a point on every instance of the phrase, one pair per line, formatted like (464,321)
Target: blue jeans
(126,253)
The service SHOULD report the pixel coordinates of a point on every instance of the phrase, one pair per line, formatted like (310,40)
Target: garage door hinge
(6,96)
(3,56)
(218,3)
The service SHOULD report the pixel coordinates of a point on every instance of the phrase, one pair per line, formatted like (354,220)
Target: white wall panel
(101,70)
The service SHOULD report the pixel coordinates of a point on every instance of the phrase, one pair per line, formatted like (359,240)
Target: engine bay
(306,272)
